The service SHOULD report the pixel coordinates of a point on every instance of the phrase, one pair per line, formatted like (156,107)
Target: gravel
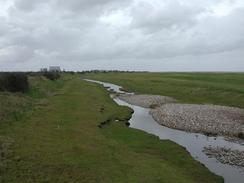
(226,156)
(147,101)
(208,119)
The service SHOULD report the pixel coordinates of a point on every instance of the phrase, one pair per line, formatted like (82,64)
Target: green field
(52,135)
(201,88)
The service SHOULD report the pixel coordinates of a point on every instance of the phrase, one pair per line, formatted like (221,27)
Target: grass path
(61,142)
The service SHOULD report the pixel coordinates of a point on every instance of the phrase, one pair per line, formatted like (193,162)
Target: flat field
(201,88)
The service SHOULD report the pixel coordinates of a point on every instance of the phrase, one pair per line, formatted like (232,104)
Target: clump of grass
(13,106)
(5,150)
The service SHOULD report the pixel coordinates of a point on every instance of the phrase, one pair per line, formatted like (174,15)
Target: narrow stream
(193,142)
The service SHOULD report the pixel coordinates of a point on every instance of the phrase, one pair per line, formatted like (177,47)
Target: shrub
(14,82)
(51,75)
(70,72)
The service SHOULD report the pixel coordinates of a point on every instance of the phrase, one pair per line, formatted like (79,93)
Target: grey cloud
(72,6)
(165,15)
(83,5)
(28,5)
(61,32)
(16,54)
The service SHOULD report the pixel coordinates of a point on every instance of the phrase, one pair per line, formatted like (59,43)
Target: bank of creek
(210,151)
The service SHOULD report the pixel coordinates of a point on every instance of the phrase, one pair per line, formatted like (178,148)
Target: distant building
(54,69)
(43,70)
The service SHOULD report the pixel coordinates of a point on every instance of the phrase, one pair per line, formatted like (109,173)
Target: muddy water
(193,142)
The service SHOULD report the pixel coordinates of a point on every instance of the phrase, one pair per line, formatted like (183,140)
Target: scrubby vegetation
(14,82)
(18,81)
(51,75)
(14,103)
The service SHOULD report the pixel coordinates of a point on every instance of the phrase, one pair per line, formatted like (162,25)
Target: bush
(51,75)
(14,82)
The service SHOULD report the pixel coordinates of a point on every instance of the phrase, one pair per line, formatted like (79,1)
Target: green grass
(204,88)
(13,106)
(61,142)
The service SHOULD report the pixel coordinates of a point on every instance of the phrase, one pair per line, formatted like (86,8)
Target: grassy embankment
(52,135)
(203,88)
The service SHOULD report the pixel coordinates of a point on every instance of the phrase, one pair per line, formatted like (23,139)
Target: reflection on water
(193,142)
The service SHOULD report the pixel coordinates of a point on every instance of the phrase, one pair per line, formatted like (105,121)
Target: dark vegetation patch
(124,90)
(51,75)
(14,82)
(241,135)
(18,81)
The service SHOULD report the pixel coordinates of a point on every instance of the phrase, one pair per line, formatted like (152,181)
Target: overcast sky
(155,35)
